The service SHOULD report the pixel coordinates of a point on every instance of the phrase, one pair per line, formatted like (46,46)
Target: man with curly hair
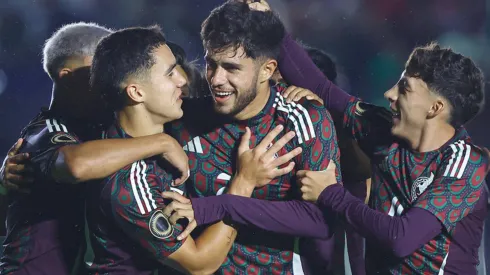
(428,198)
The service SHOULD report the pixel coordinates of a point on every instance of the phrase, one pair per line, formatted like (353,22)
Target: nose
(180,79)
(392,94)
(218,77)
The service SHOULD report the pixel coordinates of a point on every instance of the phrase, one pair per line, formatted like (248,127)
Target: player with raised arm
(129,232)
(426,170)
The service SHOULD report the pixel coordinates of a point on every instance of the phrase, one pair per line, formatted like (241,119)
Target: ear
(267,70)
(135,93)
(64,72)
(437,108)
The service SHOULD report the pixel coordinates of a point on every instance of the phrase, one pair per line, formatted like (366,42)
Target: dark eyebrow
(170,69)
(404,84)
(224,64)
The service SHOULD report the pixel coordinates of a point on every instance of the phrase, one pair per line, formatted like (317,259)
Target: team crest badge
(62,138)
(420,185)
(159,225)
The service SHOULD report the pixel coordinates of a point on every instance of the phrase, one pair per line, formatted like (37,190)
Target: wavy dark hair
(234,24)
(451,75)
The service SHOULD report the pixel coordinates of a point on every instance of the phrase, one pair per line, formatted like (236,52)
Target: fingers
(301,94)
(262,147)
(245,142)
(283,171)
(192,225)
(290,93)
(180,214)
(315,98)
(15,148)
(287,157)
(301,173)
(331,166)
(20,169)
(183,178)
(176,206)
(175,196)
(18,158)
(278,145)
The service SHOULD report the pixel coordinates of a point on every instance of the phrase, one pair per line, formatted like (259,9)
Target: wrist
(241,186)
(165,143)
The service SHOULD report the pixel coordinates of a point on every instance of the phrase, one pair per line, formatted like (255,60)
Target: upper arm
(457,185)
(137,208)
(42,142)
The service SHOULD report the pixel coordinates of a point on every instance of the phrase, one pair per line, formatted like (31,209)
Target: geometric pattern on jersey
(33,220)
(127,228)
(211,143)
(446,182)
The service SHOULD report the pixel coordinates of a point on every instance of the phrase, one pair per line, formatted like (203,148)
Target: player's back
(116,247)
(404,179)
(44,227)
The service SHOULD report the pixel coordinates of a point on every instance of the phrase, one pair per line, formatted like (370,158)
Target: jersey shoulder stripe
(140,187)
(298,115)
(458,161)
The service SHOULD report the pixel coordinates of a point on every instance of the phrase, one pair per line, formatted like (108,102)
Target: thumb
(331,166)
(245,142)
(15,149)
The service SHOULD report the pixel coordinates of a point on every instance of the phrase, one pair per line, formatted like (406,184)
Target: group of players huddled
(141,166)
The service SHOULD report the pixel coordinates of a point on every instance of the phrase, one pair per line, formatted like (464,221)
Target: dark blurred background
(369,39)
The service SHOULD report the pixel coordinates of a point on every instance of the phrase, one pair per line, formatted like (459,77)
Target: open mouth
(220,96)
(395,114)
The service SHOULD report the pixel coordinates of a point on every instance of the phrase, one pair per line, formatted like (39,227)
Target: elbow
(73,168)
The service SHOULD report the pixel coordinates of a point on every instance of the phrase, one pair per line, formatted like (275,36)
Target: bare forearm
(216,240)
(101,158)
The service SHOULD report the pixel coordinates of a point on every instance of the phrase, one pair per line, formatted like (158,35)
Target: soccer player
(242,47)
(44,226)
(428,201)
(129,232)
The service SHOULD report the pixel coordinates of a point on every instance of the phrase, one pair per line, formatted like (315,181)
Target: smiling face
(413,105)
(232,79)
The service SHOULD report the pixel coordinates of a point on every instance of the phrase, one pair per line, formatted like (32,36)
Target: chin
(223,110)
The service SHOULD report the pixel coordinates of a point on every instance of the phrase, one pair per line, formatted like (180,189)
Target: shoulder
(307,118)
(131,188)
(44,132)
(461,158)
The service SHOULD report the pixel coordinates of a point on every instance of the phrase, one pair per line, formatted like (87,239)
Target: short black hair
(234,24)
(323,61)
(122,54)
(451,75)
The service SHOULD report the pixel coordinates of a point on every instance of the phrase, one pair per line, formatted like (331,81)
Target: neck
(254,108)
(59,103)
(432,137)
(137,122)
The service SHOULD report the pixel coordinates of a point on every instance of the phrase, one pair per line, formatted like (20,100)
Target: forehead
(164,56)
(413,83)
(229,55)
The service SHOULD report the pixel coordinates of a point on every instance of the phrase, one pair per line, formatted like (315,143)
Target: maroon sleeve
(42,141)
(297,218)
(298,69)
(403,235)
